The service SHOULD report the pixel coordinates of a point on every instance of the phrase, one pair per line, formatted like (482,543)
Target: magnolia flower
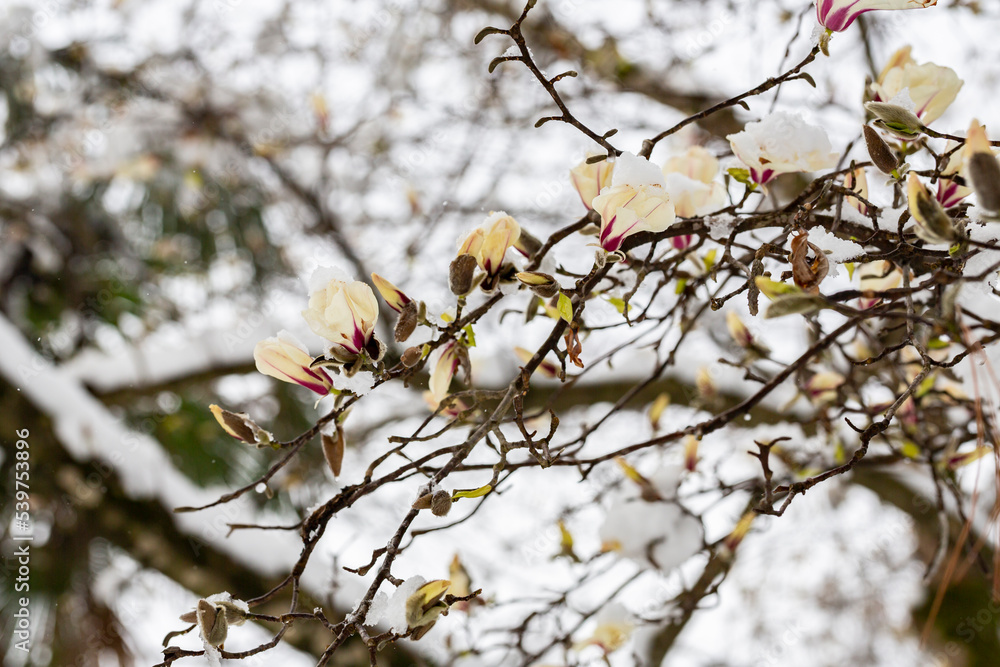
(283,357)
(932,88)
(857,181)
(444,371)
(875,278)
(690,182)
(838,15)
(635,202)
(414,606)
(489,243)
(782,143)
(822,387)
(342,312)
(590,179)
(949,191)
(614,628)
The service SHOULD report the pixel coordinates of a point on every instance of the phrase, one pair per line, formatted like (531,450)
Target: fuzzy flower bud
(879,151)
(982,167)
(932,223)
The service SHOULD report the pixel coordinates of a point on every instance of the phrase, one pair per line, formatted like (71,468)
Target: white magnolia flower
(690,180)
(635,202)
(782,143)
(342,312)
(932,88)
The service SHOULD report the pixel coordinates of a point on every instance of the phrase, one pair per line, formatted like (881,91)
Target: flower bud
(423,607)
(879,151)
(240,426)
(983,168)
(392,295)
(406,323)
(333,449)
(896,119)
(589,179)
(441,503)
(527,244)
(541,284)
(932,223)
(738,331)
(412,356)
(213,624)
(822,387)
(857,181)
(460,274)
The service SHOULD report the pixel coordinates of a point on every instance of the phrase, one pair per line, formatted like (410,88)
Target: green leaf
(565,307)
(470,336)
(741,175)
(850,270)
(794,304)
(472,493)
(681,284)
(619,304)
(710,259)
(773,289)
(937,344)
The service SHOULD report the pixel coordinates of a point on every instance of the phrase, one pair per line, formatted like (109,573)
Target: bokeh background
(171,173)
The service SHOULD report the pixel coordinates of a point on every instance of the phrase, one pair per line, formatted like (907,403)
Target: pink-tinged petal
(838,15)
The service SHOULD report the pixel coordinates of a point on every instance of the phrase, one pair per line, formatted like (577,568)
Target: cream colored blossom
(635,202)
(782,143)
(489,243)
(932,88)
(342,312)
(690,180)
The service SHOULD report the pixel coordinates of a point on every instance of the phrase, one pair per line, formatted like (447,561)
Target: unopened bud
(240,426)
(213,624)
(879,151)
(527,244)
(982,167)
(441,503)
(541,284)
(896,119)
(931,221)
(333,450)
(412,356)
(460,274)
(406,323)
(985,174)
